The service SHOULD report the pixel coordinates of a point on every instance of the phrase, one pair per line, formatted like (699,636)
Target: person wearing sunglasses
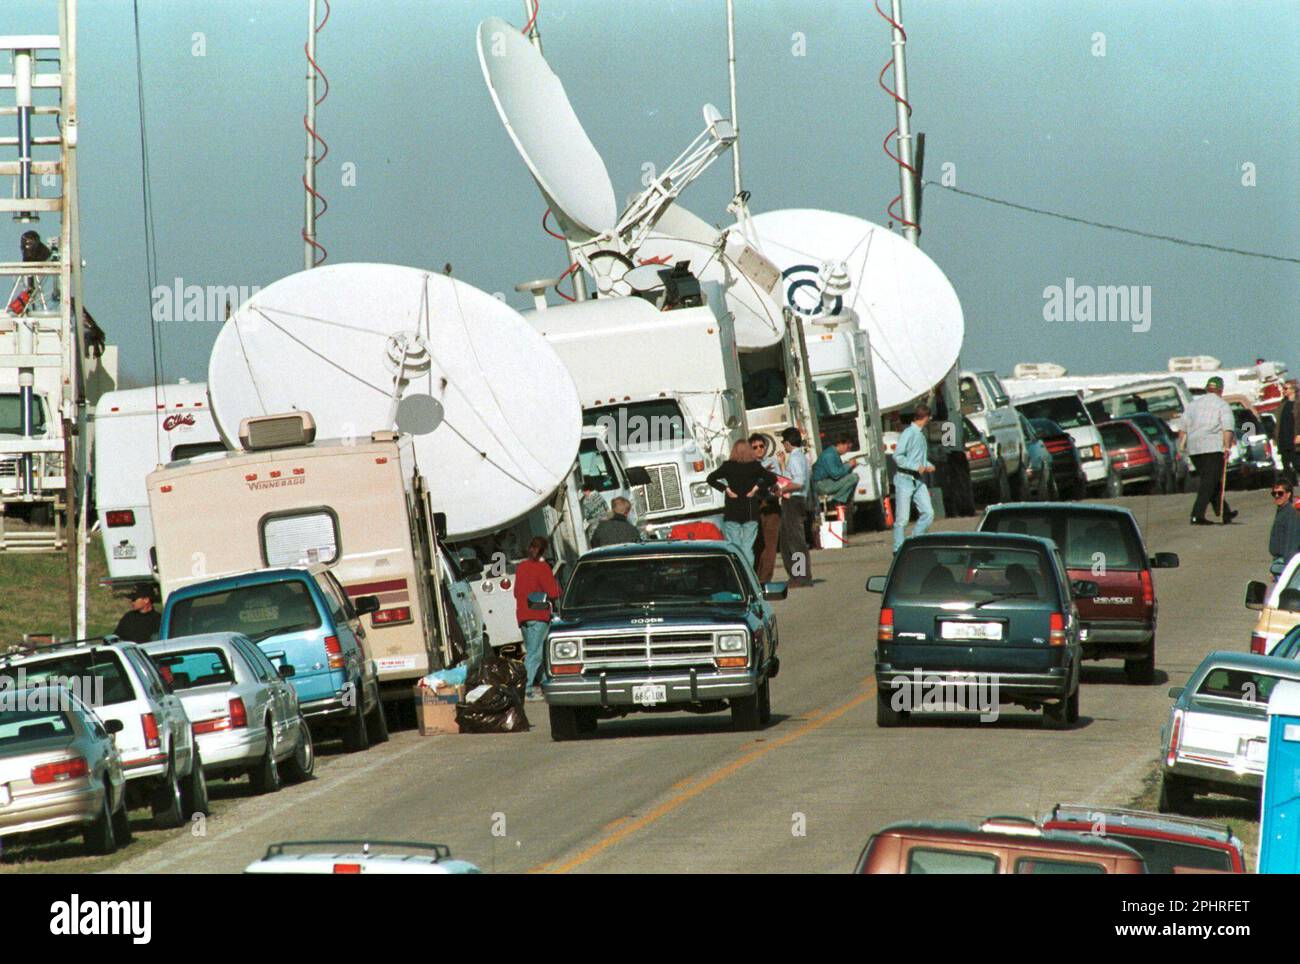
(1284,537)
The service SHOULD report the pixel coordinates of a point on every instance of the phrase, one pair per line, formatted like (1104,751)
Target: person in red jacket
(534,575)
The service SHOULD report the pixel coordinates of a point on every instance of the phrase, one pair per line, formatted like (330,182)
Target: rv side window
(192,449)
(299,538)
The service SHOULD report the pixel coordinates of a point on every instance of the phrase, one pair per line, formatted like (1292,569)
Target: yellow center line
(696,788)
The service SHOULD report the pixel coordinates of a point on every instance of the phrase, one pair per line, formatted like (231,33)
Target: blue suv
(298,617)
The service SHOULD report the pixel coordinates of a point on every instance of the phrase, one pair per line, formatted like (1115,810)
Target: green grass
(1241,815)
(34,595)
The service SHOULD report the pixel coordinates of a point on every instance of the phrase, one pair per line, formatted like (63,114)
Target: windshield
(1086,539)
(1157,401)
(1066,411)
(11,414)
(597,471)
(258,611)
(836,395)
(659,421)
(196,667)
(654,581)
(1162,856)
(98,678)
(970,574)
(27,726)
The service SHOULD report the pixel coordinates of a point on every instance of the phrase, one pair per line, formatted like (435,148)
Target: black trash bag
(499,671)
(499,709)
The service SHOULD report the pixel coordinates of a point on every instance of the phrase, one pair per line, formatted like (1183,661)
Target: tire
(194,792)
(99,836)
(564,723)
(765,701)
(1064,714)
(744,713)
(1048,492)
(1175,797)
(1141,672)
(265,777)
(302,764)
(356,735)
(377,724)
(886,715)
(587,721)
(165,802)
(122,822)
(1019,490)
(1114,487)
(1001,485)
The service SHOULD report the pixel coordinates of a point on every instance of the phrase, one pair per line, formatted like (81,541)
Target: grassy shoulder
(1241,815)
(34,595)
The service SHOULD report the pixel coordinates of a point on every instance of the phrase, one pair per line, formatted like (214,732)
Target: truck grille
(640,650)
(8,466)
(664,493)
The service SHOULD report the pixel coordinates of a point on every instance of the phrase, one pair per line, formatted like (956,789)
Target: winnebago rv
(360,507)
(137,430)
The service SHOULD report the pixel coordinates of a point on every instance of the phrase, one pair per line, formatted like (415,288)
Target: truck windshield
(656,422)
(597,471)
(258,611)
(671,580)
(11,415)
(1066,411)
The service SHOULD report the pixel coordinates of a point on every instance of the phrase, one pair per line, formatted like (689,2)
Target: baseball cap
(1215,382)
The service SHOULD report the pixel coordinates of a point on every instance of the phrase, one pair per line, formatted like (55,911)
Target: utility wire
(1115,227)
(150,235)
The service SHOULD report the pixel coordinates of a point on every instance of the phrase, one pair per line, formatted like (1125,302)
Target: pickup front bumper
(596,688)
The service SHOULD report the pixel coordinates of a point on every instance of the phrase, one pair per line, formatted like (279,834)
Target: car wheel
(194,794)
(1019,484)
(1001,484)
(168,810)
(99,836)
(377,725)
(1062,715)
(356,736)
(586,721)
(1050,493)
(265,777)
(122,822)
(744,713)
(302,764)
(1114,487)
(765,701)
(886,715)
(1175,797)
(564,722)
(1141,672)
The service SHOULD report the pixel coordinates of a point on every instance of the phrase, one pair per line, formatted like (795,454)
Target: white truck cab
(985,402)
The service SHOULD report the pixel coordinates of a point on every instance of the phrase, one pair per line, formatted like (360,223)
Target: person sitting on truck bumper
(833,478)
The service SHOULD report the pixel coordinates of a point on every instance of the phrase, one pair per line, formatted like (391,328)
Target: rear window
(1227,683)
(258,611)
(923,860)
(196,667)
(98,678)
(1066,411)
(1157,401)
(300,538)
(1036,865)
(970,574)
(27,726)
(1087,540)
(1162,856)
(1118,436)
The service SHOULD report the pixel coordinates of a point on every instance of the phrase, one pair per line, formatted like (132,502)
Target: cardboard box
(436,711)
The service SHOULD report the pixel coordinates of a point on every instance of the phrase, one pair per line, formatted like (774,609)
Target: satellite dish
(494,413)
(547,133)
(902,299)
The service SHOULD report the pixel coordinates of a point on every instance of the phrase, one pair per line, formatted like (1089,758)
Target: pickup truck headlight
(565,649)
(700,491)
(731,643)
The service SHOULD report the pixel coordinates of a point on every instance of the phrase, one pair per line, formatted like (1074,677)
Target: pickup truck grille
(656,649)
(664,493)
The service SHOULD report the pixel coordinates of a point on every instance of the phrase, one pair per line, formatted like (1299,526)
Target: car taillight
(334,650)
(978,451)
(1259,644)
(1164,449)
(885,627)
(505,583)
(58,772)
(1271,390)
(119,517)
(402,614)
(1056,630)
(150,725)
(1175,739)
(238,713)
(236,717)
(347,868)
(1148,589)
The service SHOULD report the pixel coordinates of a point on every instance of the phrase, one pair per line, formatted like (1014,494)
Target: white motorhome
(666,384)
(361,507)
(1166,397)
(137,430)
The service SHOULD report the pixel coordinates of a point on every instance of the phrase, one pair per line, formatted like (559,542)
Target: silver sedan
(243,710)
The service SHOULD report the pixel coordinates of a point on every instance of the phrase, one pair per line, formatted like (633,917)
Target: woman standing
(744,481)
(534,575)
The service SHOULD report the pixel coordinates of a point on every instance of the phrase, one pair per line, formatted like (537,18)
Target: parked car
(299,617)
(1132,457)
(1006,597)
(1039,475)
(359,857)
(1278,605)
(60,769)
(985,403)
(1101,543)
(1158,432)
(1216,738)
(1251,462)
(162,765)
(243,710)
(1168,844)
(667,626)
(1067,469)
(987,477)
(1288,647)
(1066,409)
(997,846)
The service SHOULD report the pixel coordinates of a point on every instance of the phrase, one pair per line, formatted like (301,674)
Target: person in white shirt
(794,510)
(1208,433)
(910,458)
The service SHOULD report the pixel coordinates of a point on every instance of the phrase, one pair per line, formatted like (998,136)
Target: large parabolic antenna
(902,299)
(366,347)
(550,138)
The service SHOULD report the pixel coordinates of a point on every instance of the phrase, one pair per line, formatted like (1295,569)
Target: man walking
(1288,431)
(832,477)
(910,458)
(794,510)
(1207,434)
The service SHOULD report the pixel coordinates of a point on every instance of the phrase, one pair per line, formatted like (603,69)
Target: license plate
(124,552)
(1257,751)
(971,630)
(5,796)
(650,694)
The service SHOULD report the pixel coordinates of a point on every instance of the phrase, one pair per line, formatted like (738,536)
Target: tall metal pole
(731,77)
(309,162)
(907,183)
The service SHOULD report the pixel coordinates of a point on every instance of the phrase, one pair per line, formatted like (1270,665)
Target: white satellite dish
(902,299)
(492,410)
(550,138)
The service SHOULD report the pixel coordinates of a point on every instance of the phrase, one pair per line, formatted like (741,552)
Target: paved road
(684,793)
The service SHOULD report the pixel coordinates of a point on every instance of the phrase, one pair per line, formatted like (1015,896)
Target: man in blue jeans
(909,481)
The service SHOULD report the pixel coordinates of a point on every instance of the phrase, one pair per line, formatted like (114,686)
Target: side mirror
(471,567)
(285,671)
(113,726)
(365,605)
(637,475)
(1289,600)
(440,525)
(1084,588)
(1164,560)
(775,590)
(1176,691)
(876,583)
(1256,593)
(539,600)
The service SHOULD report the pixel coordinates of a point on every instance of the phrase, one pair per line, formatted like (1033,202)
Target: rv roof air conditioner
(277,431)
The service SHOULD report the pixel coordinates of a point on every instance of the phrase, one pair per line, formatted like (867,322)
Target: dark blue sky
(1154,135)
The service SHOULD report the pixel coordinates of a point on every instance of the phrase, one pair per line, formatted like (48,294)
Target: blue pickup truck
(664,626)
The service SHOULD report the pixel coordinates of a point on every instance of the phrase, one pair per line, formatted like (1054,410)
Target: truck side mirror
(113,726)
(637,475)
(366,604)
(876,584)
(1256,593)
(773,591)
(1164,560)
(440,525)
(1176,691)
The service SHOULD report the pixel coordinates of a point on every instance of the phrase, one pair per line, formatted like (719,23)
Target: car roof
(662,547)
(981,538)
(1235,659)
(197,641)
(25,653)
(253,577)
(1021,835)
(1072,507)
(1050,393)
(1143,822)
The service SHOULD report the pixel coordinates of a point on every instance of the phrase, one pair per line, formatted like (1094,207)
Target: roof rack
(29,647)
(440,851)
(1001,823)
(1138,818)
